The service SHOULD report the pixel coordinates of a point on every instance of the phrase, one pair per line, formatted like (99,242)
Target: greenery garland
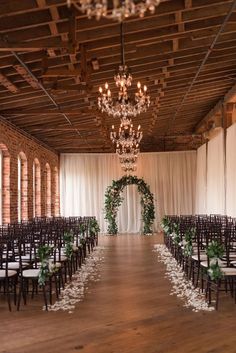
(113,200)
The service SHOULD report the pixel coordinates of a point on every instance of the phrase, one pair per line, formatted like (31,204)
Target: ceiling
(53,59)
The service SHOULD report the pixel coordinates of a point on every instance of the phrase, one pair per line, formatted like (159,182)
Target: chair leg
(45,298)
(8,294)
(217,295)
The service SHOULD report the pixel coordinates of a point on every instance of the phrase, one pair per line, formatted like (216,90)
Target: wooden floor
(128,311)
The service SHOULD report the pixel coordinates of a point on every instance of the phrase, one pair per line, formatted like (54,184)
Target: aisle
(128,311)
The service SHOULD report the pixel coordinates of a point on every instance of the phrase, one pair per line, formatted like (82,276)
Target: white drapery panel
(231,171)
(201,180)
(85,177)
(216,175)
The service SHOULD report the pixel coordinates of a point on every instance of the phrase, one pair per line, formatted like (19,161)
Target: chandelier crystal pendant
(123,106)
(120,9)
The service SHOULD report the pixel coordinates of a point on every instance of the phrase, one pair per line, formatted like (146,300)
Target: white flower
(213,261)
(74,291)
(182,287)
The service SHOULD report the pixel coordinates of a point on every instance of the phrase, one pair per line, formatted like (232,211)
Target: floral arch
(113,200)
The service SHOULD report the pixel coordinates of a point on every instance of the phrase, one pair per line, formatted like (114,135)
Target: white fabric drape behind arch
(216,175)
(231,171)
(201,182)
(85,177)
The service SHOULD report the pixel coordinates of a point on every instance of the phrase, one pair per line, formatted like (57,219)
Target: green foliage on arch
(113,200)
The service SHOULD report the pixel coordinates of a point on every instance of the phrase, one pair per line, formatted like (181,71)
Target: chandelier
(119,10)
(128,164)
(127,142)
(127,137)
(123,105)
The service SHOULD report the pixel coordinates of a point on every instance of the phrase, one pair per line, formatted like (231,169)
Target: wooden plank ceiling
(70,56)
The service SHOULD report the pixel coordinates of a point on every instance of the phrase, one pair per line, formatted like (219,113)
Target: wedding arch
(113,200)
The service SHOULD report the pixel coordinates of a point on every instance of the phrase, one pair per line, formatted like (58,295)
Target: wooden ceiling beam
(8,84)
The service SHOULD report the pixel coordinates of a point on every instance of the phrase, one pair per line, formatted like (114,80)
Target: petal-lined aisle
(129,310)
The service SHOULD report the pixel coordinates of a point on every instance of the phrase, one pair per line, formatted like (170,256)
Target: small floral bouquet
(69,244)
(93,227)
(188,241)
(44,252)
(176,233)
(165,225)
(215,251)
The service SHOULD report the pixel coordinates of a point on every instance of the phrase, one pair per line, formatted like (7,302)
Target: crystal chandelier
(119,10)
(123,106)
(128,164)
(127,137)
(128,158)
(127,142)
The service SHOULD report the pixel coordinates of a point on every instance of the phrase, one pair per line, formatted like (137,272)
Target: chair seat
(57,264)
(63,258)
(220,262)
(25,258)
(229,271)
(231,256)
(31,273)
(15,265)
(11,273)
(203,257)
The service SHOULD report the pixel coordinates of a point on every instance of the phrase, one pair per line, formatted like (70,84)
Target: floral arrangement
(166,225)
(82,238)
(215,251)
(44,252)
(93,227)
(69,244)
(113,200)
(176,233)
(188,241)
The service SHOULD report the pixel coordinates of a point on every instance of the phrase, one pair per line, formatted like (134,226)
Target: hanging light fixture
(123,106)
(128,158)
(115,9)
(126,137)
(127,142)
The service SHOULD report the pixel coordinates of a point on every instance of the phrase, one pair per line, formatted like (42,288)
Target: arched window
(22,187)
(56,208)
(36,189)
(4,184)
(48,193)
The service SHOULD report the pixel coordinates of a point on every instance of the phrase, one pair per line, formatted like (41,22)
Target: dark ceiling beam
(221,29)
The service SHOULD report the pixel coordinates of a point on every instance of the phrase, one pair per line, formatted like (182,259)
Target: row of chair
(205,247)
(41,255)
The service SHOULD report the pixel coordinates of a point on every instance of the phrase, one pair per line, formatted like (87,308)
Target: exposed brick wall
(14,144)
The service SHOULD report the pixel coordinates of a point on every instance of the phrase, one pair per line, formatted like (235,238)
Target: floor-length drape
(84,178)
(201,180)
(231,171)
(216,175)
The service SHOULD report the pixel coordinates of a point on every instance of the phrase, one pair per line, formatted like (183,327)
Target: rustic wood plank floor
(129,310)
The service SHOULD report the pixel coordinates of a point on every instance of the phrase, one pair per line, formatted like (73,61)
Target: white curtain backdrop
(201,180)
(85,177)
(216,175)
(231,171)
